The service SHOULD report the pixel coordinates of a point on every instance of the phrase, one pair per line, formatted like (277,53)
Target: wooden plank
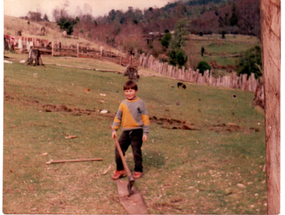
(73,160)
(134,203)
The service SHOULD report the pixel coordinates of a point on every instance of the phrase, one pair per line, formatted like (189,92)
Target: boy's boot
(137,175)
(118,174)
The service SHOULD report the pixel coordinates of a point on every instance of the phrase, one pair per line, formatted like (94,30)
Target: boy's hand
(144,138)
(114,134)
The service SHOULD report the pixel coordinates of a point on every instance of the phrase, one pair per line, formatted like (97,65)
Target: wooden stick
(74,160)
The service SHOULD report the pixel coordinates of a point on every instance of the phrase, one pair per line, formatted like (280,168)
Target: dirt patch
(223,128)
(170,123)
(53,107)
(166,123)
(167,207)
(230,127)
(63,108)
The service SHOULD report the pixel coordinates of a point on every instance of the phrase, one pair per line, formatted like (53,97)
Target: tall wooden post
(77,49)
(52,48)
(271,56)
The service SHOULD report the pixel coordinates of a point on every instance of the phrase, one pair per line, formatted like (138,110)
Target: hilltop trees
(35,16)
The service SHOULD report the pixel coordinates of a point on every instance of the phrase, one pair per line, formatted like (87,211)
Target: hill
(237,18)
(28,28)
(207,16)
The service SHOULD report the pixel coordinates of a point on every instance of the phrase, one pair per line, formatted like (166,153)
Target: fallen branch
(107,170)
(73,160)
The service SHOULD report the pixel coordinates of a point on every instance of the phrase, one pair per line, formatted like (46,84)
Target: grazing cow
(131,72)
(180,84)
(34,57)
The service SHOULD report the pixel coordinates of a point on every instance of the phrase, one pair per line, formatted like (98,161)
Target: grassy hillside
(225,52)
(205,153)
(13,24)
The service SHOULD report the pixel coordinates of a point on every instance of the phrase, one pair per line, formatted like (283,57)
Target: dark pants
(133,138)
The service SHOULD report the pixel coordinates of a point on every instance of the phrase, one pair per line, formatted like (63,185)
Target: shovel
(126,167)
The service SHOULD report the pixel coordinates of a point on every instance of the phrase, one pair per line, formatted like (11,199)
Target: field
(224,52)
(205,152)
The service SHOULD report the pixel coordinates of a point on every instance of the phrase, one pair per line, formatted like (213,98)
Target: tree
(250,62)
(234,17)
(34,16)
(178,40)
(165,41)
(46,18)
(178,57)
(203,66)
(66,24)
(58,14)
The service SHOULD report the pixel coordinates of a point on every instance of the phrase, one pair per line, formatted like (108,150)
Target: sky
(75,7)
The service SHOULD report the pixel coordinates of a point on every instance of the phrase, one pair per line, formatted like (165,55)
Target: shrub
(178,57)
(203,66)
(223,34)
(251,62)
(166,39)
(66,24)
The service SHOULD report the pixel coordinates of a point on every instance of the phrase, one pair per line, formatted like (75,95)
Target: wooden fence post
(52,48)
(101,50)
(77,49)
(271,56)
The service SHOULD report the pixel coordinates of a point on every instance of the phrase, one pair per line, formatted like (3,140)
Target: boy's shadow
(153,159)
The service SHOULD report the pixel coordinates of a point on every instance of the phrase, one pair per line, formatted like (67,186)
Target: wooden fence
(145,60)
(233,81)
(55,48)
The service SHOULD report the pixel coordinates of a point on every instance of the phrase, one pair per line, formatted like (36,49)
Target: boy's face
(130,93)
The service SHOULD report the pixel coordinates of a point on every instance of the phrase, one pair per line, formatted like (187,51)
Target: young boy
(133,117)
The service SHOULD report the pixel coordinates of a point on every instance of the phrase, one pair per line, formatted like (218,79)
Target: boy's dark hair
(131,85)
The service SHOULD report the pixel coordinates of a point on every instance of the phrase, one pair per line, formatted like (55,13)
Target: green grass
(185,171)
(222,50)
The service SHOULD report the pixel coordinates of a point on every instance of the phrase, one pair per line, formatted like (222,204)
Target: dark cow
(131,72)
(34,57)
(180,84)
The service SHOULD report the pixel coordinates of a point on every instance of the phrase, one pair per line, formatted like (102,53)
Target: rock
(241,185)
(103,111)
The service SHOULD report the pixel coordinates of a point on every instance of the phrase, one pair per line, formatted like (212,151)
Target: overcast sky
(75,7)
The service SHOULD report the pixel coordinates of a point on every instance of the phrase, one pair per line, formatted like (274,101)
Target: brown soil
(166,123)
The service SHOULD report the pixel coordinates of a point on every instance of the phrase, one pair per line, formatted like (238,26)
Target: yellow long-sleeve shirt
(132,114)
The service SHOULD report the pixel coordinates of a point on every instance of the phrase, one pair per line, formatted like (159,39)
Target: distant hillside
(239,17)
(136,31)
(14,25)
